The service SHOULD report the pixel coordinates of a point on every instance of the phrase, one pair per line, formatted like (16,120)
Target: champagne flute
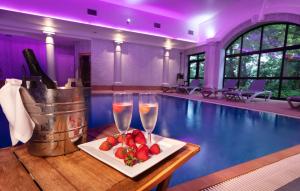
(122,110)
(148,109)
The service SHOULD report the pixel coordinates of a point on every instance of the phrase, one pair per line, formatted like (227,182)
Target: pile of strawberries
(136,149)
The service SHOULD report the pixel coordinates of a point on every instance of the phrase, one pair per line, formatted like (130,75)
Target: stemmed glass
(148,109)
(122,106)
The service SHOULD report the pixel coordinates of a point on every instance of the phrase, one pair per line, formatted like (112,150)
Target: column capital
(49,39)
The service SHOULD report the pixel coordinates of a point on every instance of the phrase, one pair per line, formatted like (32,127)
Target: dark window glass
(201,69)
(235,47)
(267,53)
(249,66)
(193,58)
(196,64)
(293,37)
(273,36)
(292,63)
(251,40)
(273,85)
(232,66)
(290,88)
(270,64)
(193,70)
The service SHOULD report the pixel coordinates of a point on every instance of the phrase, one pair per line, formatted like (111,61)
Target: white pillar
(166,60)
(50,57)
(117,64)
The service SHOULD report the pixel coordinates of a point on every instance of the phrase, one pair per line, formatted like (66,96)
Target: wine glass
(122,106)
(148,109)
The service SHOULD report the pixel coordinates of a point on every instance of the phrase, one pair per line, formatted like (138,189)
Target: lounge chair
(229,85)
(194,86)
(256,88)
(292,99)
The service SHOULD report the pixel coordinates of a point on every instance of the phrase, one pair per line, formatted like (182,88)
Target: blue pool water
(227,136)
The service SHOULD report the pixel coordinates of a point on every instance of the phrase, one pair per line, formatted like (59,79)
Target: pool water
(227,136)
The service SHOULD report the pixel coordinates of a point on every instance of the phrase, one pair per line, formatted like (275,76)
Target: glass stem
(149,137)
(123,137)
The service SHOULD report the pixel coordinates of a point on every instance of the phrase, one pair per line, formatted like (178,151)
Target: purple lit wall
(12,59)
(64,59)
(141,65)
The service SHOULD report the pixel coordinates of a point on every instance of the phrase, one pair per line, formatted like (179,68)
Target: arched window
(271,52)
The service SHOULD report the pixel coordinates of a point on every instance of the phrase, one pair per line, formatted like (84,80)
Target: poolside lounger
(292,99)
(194,86)
(229,85)
(256,88)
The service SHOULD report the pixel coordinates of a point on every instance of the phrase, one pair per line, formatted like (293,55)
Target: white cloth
(20,124)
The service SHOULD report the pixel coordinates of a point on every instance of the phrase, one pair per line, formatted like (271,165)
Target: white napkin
(20,124)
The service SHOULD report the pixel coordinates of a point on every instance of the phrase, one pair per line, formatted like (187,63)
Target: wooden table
(79,171)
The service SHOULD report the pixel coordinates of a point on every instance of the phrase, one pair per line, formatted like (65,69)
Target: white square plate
(168,146)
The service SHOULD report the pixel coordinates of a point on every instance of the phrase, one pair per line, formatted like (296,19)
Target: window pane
(292,63)
(231,67)
(273,85)
(270,64)
(201,56)
(193,67)
(249,66)
(293,37)
(192,58)
(251,40)
(290,88)
(244,84)
(201,69)
(273,36)
(235,47)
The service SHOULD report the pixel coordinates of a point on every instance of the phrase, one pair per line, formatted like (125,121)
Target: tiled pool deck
(274,106)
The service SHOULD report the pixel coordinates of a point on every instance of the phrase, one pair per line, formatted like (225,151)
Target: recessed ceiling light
(128,21)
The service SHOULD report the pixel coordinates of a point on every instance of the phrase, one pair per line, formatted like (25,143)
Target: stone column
(118,64)
(166,60)
(50,57)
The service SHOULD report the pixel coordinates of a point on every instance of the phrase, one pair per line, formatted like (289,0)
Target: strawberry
(133,148)
(112,140)
(130,142)
(141,134)
(136,132)
(130,161)
(121,153)
(105,146)
(140,139)
(142,155)
(129,136)
(155,149)
(143,148)
(121,138)
(131,153)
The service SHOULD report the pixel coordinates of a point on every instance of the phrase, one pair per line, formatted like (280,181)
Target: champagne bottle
(36,70)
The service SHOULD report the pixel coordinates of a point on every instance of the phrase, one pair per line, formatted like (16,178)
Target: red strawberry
(105,146)
(143,148)
(112,140)
(131,153)
(121,153)
(155,149)
(133,148)
(130,142)
(136,132)
(140,139)
(130,161)
(121,138)
(142,155)
(141,134)
(129,136)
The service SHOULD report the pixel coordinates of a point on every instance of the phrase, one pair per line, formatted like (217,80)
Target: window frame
(198,61)
(261,51)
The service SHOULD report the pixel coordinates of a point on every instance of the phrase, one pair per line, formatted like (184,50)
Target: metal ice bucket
(60,117)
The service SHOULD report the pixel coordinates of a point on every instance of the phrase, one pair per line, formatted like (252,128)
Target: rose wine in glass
(122,110)
(148,109)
